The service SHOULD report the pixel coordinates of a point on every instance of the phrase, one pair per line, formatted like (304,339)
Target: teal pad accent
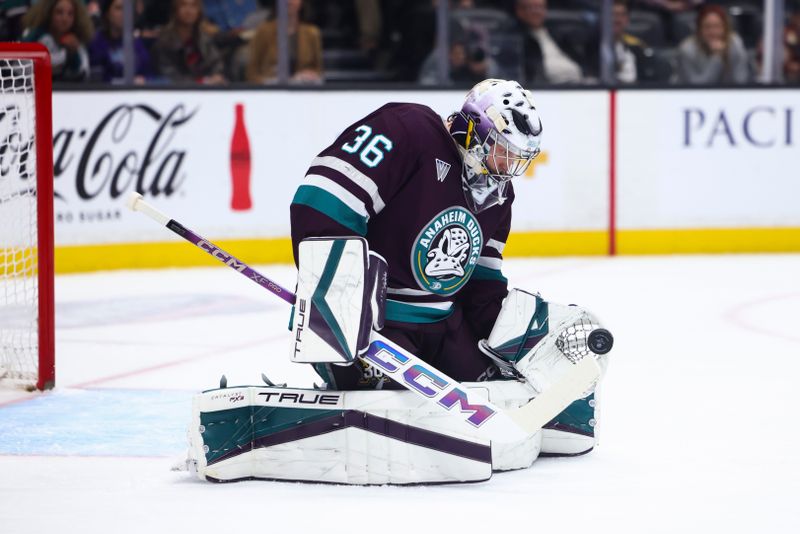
(578,417)
(237,429)
(318,298)
(322,369)
(514,349)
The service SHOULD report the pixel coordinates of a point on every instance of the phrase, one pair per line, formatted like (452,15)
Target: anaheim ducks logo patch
(446,251)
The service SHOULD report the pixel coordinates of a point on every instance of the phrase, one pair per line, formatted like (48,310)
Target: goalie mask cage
(27,326)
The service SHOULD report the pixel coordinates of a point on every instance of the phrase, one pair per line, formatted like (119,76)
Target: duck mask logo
(446,251)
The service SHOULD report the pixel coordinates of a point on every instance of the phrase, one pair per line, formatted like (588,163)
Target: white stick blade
(133,201)
(542,409)
(137,203)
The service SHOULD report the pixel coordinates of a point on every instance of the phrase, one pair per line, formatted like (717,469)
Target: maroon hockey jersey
(394,177)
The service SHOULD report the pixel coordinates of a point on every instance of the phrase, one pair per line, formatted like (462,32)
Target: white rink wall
(684,160)
(708,159)
(103,143)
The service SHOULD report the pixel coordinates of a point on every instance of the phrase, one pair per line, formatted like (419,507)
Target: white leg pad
(353,437)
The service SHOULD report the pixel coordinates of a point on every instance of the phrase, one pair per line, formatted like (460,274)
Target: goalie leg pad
(353,437)
(572,432)
(510,394)
(340,299)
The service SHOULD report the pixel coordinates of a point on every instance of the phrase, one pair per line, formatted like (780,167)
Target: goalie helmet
(498,132)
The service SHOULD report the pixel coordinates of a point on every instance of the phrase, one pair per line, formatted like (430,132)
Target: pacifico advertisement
(708,159)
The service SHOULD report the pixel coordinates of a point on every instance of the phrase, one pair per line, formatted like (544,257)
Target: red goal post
(27,322)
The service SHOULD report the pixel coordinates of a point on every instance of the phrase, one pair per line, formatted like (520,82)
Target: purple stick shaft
(231,261)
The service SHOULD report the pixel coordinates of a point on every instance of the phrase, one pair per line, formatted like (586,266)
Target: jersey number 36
(372,154)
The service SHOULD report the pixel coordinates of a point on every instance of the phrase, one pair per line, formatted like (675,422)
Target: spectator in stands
(628,50)
(715,54)
(670,11)
(65,28)
(231,23)
(791,48)
(545,60)
(229,15)
(468,66)
(184,52)
(12,14)
(305,50)
(671,6)
(369,24)
(106,53)
(94,10)
(151,16)
(791,41)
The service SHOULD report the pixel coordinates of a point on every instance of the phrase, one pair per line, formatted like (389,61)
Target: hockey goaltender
(433,370)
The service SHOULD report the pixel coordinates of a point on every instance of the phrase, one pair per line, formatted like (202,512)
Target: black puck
(600,341)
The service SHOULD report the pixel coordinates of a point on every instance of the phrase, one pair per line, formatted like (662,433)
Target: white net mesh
(19,352)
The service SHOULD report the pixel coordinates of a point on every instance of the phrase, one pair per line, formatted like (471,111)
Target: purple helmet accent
(499,131)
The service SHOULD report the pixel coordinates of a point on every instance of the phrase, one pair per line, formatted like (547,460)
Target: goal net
(26,218)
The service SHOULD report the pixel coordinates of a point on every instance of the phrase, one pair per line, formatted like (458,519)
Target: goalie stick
(477,414)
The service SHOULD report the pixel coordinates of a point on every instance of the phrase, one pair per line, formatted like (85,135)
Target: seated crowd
(540,42)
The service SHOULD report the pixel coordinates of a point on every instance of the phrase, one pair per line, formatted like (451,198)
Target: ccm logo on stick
(221,255)
(422,379)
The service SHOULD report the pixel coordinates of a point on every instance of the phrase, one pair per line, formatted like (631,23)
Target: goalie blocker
(341,290)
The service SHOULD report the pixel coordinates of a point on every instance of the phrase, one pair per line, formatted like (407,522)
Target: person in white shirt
(544,59)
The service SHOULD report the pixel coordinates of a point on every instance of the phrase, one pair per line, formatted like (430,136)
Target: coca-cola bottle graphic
(240,164)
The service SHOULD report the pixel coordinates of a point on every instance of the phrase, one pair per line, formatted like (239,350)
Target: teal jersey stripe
(328,204)
(406,313)
(485,273)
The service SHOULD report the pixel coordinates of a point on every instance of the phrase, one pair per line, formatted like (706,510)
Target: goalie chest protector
(395,178)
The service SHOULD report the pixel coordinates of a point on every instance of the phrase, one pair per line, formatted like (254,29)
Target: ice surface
(698,427)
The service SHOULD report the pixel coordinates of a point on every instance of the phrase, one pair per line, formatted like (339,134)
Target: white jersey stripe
(434,305)
(348,198)
(495,264)
(359,178)
(497,245)
(404,291)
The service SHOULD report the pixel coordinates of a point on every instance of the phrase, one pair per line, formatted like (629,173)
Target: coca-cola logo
(15,146)
(130,148)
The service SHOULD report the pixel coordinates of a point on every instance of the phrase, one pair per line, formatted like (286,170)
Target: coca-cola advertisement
(226,162)
(240,164)
(17,171)
(182,151)
(117,156)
